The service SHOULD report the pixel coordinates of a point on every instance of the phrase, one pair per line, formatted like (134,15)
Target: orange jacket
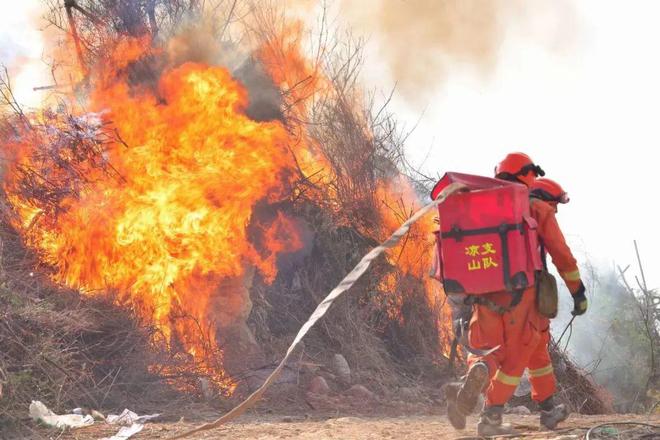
(552,238)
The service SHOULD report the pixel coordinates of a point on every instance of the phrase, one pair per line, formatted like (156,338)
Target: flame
(303,83)
(163,220)
(398,200)
(192,168)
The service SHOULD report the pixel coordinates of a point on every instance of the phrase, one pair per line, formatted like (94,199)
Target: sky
(586,112)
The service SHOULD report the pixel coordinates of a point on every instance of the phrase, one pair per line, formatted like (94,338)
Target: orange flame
(192,167)
(192,170)
(398,200)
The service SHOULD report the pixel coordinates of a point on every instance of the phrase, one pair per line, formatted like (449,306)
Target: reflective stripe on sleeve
(571,276)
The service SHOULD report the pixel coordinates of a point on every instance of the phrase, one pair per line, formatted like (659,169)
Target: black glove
(580,302)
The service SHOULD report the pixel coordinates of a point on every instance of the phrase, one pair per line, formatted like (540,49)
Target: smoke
(422,42)
(420,39)
(195,40)
(610,341)
(21,46)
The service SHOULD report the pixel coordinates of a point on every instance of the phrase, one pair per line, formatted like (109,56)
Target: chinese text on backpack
(487,240)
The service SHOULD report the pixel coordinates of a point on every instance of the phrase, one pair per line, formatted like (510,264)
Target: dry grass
(577,388)
(69,350)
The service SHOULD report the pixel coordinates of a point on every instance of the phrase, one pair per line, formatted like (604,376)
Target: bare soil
(354,428)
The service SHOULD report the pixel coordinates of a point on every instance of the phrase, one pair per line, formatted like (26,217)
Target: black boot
(490,422)
(552,414)
(462,401)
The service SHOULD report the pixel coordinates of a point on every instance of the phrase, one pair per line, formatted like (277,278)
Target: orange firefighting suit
(522,332)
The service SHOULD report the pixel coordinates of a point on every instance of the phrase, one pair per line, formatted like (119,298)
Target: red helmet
(518,167)
(548,190)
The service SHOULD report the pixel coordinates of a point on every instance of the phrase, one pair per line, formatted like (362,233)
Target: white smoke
(21,48)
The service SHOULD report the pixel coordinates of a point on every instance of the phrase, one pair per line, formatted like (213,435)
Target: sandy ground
(354,428)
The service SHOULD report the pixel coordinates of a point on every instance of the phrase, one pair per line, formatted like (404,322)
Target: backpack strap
(544,255)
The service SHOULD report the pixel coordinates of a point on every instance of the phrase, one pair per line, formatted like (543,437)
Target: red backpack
(487,240)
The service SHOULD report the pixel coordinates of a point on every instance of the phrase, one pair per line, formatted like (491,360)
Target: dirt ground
(354,428)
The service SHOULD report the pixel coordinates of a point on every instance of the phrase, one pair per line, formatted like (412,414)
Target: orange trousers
(523,335)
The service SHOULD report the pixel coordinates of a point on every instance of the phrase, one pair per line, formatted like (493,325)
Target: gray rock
(340,368)
(256,378)
(520,410)
(524,387)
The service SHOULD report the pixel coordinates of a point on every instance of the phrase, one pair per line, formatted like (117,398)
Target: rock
(520,410)
(287,419)
(318,385)
(360,392)
(524,387)
(254,379)
(340,368)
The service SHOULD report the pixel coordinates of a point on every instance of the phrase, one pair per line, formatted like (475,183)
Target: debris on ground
(40,412)
(130,422)
(128,417)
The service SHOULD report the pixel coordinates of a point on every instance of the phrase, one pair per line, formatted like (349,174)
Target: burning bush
(153,180)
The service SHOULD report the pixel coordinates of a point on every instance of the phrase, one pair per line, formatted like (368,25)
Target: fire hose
(323,307)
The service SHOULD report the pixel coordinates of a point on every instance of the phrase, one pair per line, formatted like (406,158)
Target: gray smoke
(610,341)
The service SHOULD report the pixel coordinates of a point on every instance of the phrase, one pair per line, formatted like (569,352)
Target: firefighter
(512,322)
(545,197)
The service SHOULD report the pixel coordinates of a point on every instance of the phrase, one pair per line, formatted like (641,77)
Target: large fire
(170,224)
(192,168)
